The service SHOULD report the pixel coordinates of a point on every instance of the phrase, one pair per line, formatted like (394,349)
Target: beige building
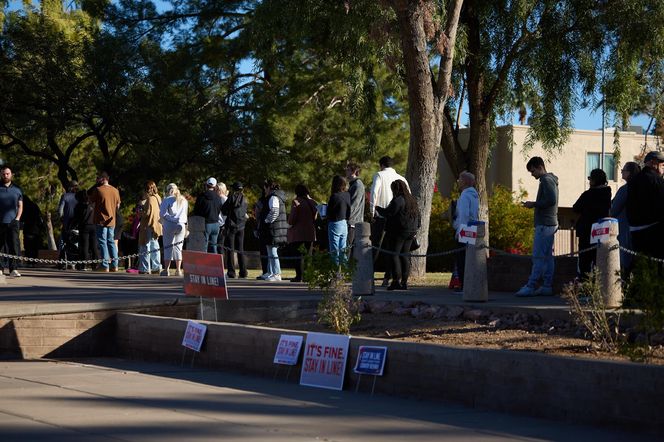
(572,164)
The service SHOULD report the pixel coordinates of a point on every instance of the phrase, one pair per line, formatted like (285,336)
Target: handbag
(414,245)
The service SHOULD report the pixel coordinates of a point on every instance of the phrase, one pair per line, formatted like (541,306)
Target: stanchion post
(196,240)
(608,261)
(475,285)
(363,279)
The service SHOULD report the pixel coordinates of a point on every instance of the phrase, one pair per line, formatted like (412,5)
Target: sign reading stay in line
(194,335)
(288,350)
(324,363)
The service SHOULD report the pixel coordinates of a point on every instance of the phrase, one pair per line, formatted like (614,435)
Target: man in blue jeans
(208,205)
(546,225)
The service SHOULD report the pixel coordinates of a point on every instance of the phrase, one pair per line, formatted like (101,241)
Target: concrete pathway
(46,291)
(111,399)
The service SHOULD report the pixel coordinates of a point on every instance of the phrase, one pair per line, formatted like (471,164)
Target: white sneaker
(16,274)
(274,278)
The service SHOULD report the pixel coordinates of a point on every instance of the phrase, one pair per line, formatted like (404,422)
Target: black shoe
(404,286)
(394,286)
(386,282)
(230,275)
(243,276)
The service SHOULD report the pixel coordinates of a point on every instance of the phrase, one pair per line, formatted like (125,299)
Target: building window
(592,162)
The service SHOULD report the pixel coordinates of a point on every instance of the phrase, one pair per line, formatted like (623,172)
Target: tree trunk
(426,100)
(50,237)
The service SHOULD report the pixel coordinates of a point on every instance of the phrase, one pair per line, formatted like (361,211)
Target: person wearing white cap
(645,206)
(208,205)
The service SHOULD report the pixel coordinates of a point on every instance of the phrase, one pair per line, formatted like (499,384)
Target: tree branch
(442,86)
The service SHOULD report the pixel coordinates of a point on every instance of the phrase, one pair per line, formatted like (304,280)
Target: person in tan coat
(302,230)
(149,231)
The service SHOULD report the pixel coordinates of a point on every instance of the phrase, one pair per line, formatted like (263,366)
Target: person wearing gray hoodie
(546,225)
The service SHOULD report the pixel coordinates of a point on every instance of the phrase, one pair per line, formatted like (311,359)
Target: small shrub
(593,316)
(338,309)
(510,224)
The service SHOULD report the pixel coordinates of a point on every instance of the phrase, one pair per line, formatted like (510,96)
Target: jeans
(149,260)
(337,232)
(273,265)
(107,248)
(211,235)
(543,264)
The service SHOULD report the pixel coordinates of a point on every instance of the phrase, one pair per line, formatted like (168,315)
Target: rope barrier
(379,249)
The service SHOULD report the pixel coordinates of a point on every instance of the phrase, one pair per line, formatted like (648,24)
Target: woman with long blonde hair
(173,213)
(149,232)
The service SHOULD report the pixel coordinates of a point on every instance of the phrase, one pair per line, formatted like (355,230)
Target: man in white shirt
(381,195)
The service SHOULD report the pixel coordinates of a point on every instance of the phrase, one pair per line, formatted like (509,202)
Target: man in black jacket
(208,205)
(645,206)
(235,210)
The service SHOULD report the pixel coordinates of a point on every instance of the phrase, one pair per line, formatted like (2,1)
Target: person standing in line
(357,200)
(402,219)
(619,211)
(106,200)
(235,210)
(84,222)
(173,215)
(222,191)
(466,209)
(302,230)
(645,206)
(149,231)
(338,214)
(208,205)
(273,228)
(380,196)
(261,202)
(592,205)
(66,208)
(546,225)
(11,210)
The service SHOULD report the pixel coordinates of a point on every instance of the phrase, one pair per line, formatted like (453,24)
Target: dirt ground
(556,339)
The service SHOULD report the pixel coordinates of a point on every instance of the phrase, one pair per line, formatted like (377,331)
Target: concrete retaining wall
(589,391)
(65,335)
(510,273)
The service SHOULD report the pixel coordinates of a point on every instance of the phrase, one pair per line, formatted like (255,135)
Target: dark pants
(235,241)
(262,249)
(88,242)
(299,265)
(9,242)
(649,242)
(587,259)
(377,230)
(461,264)
(400,265)
(221,241)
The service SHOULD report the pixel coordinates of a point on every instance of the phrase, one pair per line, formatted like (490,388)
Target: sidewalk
(48,291)
(112,399)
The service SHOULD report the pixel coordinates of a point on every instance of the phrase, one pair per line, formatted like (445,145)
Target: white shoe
(274,278)
(16,274)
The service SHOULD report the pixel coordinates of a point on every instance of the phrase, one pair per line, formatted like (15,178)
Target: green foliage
(644,292)
(511,224)
(441,234)
(338,309)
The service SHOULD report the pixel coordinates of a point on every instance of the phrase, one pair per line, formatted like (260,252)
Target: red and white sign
(194,335)
(324,363)
(204,274)
(468,234)
(599,232)
(288,349)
